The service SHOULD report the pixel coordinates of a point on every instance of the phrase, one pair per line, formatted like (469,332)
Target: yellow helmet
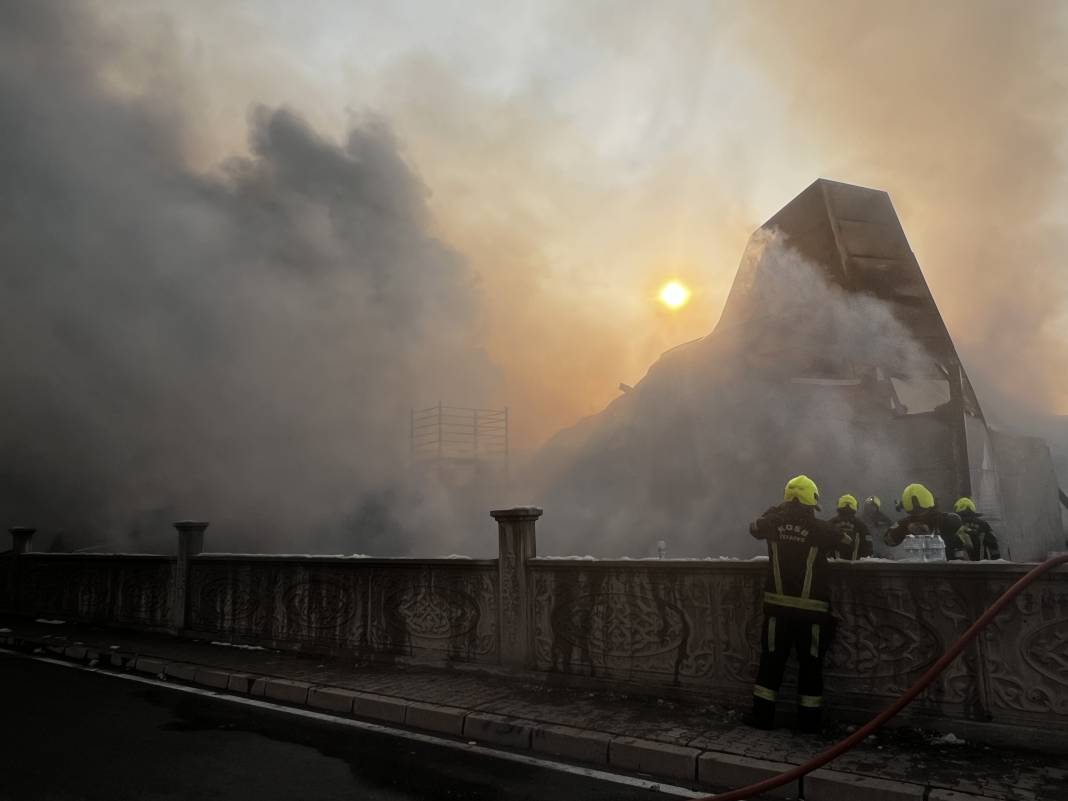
(964,504)
(849,501)
(803,489)
(874,501)
(917,495)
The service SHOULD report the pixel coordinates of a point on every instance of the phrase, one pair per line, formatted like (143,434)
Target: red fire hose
(835,751)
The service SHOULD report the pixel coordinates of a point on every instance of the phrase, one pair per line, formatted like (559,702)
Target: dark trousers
(779,637)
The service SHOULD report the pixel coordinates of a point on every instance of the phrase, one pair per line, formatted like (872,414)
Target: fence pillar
(190,543)
(514,603)
(21,539)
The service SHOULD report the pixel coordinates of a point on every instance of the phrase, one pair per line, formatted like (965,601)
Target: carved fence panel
(278,600)
(1025,653)
(671,624)
(440,611)
(444,609)
(894,622)
(116,589)
(697,626)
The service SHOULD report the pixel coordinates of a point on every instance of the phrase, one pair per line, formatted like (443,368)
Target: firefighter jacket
(798,545)
(923,521)
(974,540)
(853,527)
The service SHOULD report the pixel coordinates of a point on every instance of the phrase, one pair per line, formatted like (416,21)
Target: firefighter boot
(809,719)
(763,714)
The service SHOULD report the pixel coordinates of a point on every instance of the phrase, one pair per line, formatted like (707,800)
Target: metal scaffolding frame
(444,433)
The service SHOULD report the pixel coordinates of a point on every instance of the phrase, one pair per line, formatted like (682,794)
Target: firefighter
(873,514)
(922,516)
(797,609)
(848,523)
(974,540)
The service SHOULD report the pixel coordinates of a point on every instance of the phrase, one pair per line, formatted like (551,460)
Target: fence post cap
(517,513)
(191,525)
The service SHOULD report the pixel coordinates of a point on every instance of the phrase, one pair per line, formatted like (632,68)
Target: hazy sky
(578,155)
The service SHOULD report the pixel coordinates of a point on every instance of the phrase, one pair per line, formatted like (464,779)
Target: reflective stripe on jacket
(798,547)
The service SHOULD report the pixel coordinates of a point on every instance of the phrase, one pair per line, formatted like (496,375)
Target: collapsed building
(830,358)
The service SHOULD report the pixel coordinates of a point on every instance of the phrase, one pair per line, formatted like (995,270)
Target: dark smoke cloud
(242,345)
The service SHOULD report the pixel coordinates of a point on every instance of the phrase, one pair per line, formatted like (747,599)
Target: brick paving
(901,755)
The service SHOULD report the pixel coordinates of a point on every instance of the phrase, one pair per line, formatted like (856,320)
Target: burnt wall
(116,589)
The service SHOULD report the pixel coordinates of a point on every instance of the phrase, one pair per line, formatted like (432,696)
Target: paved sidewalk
(684,742)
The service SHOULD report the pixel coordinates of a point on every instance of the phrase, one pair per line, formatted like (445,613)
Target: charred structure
(830,358)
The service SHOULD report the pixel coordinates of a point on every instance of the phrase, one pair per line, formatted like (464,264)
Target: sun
(674,295)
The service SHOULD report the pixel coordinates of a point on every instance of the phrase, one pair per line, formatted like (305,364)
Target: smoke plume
(959,111)
(710,436)
(212,312)
(241,345)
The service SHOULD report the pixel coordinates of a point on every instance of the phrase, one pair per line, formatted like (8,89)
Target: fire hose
(873,725)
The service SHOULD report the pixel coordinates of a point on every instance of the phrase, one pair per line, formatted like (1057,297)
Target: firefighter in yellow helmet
(797,608)
(847,521)
(922,516)
(974,540)
(873,514)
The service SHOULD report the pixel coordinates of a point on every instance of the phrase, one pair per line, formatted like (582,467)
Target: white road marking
(431,739)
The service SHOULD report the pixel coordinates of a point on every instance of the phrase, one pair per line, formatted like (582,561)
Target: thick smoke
(959,111)
(242,346)
(689,122)
(582,154)
(710,436)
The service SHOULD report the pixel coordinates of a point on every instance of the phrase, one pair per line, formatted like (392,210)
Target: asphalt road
(71,734)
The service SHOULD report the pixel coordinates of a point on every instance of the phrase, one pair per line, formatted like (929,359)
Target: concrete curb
(382,708)
(240,682)
(436,718)
(499,729)
(180,671)
(717,769)
(567,742)
(213,678)
(331,699)
(833,785)
(145,664)
(76,652)
(287,690)
(678,762)
(688,765)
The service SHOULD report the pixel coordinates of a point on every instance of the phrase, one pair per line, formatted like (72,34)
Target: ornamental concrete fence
(677,626)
